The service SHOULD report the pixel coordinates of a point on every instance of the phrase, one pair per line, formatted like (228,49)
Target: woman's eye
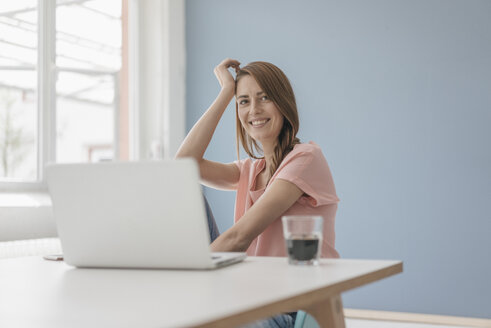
(264,98)
(242,102)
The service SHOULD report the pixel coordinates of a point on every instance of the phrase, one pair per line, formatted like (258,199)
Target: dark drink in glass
(302,248)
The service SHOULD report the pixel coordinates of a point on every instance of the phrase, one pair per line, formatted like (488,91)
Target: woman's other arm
(213,174)
(279,197)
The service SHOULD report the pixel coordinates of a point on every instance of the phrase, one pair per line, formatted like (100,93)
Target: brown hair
(279,90)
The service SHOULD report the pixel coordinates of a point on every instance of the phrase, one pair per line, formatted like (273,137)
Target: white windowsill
(26,215)
(24,199)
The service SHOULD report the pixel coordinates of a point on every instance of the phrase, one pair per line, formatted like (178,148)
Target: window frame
(168,103)
(47,72)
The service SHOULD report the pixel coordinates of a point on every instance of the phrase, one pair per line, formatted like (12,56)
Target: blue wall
(398,95)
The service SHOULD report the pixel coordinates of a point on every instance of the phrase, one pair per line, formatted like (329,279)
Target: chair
(304,320)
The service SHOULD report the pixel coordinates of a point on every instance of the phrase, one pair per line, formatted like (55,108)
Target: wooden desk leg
(329,313)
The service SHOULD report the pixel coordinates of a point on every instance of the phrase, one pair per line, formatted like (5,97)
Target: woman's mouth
(259,123)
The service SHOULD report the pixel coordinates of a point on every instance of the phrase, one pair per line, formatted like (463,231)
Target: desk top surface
(40,293)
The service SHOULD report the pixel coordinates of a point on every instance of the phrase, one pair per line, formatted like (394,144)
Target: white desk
(39,293)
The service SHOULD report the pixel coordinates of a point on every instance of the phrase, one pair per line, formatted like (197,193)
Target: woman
(289,178)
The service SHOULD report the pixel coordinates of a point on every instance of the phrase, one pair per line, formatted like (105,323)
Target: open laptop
(133,215)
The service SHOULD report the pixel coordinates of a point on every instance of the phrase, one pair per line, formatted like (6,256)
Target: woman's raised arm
(217,175)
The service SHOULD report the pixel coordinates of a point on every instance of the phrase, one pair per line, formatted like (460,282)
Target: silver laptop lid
(130,214)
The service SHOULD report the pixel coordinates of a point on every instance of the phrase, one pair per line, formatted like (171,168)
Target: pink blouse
(306,167)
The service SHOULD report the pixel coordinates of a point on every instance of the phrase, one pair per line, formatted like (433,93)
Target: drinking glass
(303,238)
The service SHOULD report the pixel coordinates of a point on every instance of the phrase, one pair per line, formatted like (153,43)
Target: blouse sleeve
(240,164)
(309,171)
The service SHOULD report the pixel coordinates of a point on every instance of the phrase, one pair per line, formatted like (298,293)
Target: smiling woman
(281,176)
(286,178)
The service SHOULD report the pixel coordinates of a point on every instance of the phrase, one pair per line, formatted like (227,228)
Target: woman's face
(257,113)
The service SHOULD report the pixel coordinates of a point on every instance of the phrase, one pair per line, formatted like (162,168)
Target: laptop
(148,214)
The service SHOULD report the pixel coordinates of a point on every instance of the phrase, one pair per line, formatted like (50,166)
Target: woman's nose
(255,106)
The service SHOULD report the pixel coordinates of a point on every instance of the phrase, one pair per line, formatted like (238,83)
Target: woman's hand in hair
(224,76)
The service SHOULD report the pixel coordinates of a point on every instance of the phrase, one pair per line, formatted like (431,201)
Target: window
(60,76)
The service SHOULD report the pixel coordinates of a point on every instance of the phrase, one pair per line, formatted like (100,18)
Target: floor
(356,323)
